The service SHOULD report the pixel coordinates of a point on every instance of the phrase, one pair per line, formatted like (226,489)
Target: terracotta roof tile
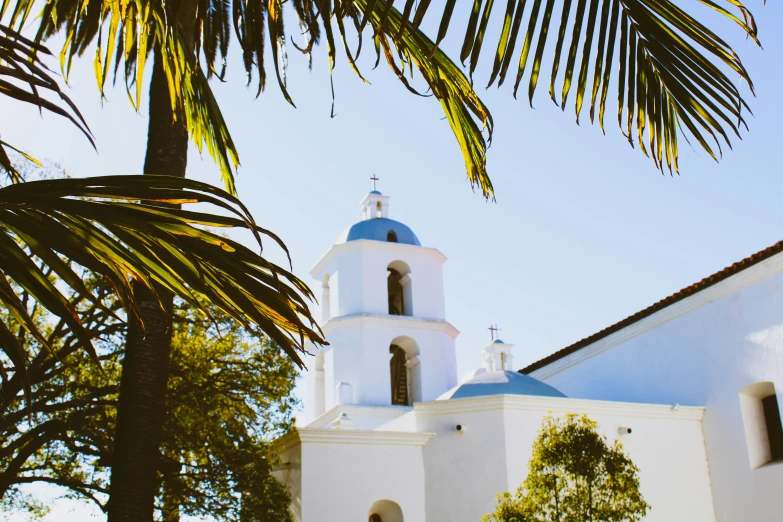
(660,305)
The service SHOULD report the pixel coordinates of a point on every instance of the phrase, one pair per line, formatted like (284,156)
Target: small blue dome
(500,383)
(376,192)
(377,229)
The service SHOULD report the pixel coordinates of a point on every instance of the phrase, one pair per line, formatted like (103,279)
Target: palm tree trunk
(170,501)
(145,368)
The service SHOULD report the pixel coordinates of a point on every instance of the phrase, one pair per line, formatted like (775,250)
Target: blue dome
(377,229)
(500,383)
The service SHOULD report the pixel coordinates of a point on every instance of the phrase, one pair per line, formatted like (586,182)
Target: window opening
(378,212)
(391,236)
(774,427)
(395,293)
(399,376)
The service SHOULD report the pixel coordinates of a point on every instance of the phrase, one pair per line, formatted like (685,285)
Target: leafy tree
(575,476)
(671,78)
(229,394)
(125,230)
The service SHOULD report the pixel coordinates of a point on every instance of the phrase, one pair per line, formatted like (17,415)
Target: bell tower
(383,313)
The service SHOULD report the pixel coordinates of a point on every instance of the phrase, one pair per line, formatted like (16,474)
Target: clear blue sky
(584,232)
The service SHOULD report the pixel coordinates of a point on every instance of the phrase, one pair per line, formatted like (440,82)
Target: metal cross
(493,330)
(374,179)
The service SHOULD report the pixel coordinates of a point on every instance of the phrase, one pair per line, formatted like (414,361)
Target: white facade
(705,350)
(392,437)
(354,367)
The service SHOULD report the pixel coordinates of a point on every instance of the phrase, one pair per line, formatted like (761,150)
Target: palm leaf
(124,34)
(25,78)
(672,68)
(125,229)
(669,68)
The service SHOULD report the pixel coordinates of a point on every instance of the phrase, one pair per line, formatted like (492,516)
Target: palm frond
(124,35)
(25,78)
(672,71)
(125,229)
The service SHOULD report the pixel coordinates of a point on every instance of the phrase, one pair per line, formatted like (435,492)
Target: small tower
(383,313)
(497,356)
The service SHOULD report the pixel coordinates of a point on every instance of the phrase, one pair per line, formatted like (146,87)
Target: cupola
(496,377)
(376,225)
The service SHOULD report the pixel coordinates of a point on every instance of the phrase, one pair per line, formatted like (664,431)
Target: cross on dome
(374,179)
(493,332)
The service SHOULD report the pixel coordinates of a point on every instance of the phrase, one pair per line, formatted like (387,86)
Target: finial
(493,330)
(374,179)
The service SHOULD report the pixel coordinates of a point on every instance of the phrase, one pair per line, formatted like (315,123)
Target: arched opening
(396,301)
(399,376)
(398,284)
(378,211)
(391,236)
(385,511)
(404,371)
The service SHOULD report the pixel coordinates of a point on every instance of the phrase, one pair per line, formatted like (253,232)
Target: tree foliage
(117,227)
(230,393)
(575,475)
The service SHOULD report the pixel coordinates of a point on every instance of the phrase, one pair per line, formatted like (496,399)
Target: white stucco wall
(700,351)
(289,472)
(465,470)
(358,353)
(360,330)
(361,268)
(343,473)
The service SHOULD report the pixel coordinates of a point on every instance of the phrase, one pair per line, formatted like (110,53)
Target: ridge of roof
(660,305)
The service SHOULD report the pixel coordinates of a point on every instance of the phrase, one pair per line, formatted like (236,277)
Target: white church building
(687,385)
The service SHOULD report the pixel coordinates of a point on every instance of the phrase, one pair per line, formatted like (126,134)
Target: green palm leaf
(670,69)
(125,229)
(672,73)
(25,78)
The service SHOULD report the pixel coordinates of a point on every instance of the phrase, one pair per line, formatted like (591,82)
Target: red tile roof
(660,305)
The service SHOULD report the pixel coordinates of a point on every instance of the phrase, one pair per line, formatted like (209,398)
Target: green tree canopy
(230,392)
(575,475)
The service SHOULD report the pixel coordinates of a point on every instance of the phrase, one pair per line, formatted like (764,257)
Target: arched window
(399,376)
(396,303)
(378,211)
(399,289)
(385,511)
(391,236)
(404,371)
